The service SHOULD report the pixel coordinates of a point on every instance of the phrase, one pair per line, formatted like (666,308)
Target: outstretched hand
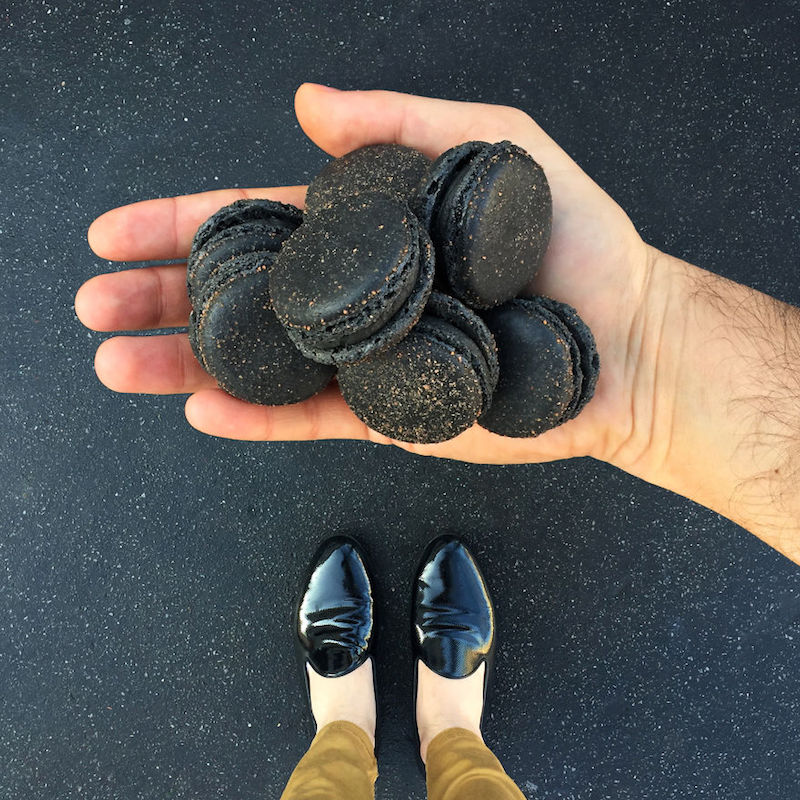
(596,262)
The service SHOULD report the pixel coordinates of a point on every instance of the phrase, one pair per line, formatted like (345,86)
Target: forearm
(720,423)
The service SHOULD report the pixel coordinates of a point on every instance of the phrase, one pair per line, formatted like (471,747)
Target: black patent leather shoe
(453,616)
(334,622)
(333,618)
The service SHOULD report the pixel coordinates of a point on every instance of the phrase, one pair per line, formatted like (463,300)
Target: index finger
(163,228)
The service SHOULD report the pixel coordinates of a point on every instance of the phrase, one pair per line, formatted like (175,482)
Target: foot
(349,698)
(453,640)
(444,703)
(334,625)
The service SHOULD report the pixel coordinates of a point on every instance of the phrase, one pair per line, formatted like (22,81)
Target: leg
(334,627)
(339,765)
(461,767)
(454,644)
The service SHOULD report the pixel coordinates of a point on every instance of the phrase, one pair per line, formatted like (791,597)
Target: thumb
(341,121)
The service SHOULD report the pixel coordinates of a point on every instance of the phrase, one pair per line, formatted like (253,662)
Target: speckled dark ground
(649,648)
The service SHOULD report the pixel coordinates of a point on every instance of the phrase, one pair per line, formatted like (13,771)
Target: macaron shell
(418,391)
(232,268)
(554,319)
(454,312)
(434,184)
(536,382)
(389,168)
(246,349)
(353,279)
(246,237)
(586,346)
(342,259)
(493,226)
(393,330)
(462,347)
(228,270)
(248,210)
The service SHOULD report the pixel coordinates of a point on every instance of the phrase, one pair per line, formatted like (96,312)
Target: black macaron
(432,385)
(245,226)
(586,347)
(537,380)
(237,337)
(353,279)
(488,210)
(389,168)
(542,347)
(250,210)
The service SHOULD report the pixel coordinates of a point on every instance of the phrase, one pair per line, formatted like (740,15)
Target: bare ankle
(350,698)
(444,703)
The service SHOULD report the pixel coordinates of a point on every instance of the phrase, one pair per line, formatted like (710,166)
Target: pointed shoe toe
(453,615)
(334,618)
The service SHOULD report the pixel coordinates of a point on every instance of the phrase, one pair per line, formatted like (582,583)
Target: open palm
(596,262)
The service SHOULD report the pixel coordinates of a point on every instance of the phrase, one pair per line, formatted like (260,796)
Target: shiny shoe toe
(334,617)
(453,615)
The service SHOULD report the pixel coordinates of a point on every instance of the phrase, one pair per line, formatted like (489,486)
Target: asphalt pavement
(648,647)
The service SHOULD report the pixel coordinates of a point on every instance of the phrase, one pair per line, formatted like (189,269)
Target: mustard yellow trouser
(340,765)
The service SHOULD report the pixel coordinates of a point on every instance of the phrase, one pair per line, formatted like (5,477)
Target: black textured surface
(429,387)
(539,372)
(647,647)
(241,343)
(388,168)
(492,225)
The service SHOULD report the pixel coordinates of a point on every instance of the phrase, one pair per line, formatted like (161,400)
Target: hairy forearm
(718,367)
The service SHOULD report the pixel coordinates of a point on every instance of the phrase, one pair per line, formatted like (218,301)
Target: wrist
(714,377)
(640,440)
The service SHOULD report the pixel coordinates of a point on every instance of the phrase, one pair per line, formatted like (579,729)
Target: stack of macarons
(407,279)
(233,329)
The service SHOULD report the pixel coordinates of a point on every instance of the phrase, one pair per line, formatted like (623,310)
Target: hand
(596,262)
(699,376)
